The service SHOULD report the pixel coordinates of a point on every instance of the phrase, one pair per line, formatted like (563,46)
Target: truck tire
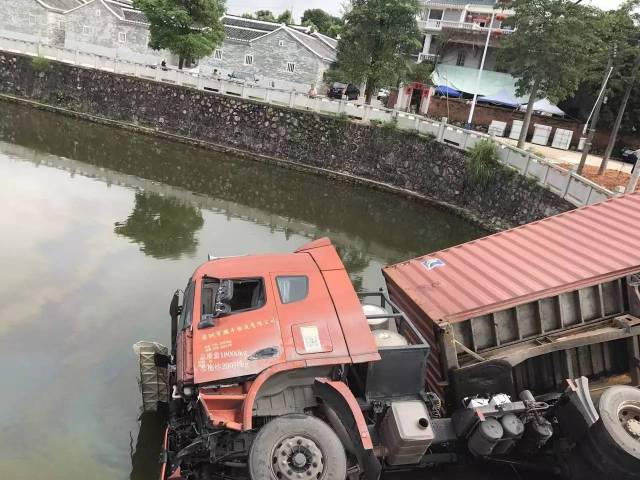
(297,446)
(618,430)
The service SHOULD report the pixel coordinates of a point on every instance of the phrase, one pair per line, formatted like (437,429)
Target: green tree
(549,53)
(162,226)
(374,45)
(285,17)
(265,16)
(322,21)
(622,29)
(247,15)
(191,30)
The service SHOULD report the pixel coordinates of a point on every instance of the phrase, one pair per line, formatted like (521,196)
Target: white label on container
(311,339)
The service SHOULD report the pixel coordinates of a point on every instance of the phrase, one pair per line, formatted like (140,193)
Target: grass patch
(40,64)
(483,162)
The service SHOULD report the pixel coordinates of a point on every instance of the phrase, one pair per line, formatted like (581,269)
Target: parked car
(630,156)
(336,90)
(383,94)
(352,92)
(243,77)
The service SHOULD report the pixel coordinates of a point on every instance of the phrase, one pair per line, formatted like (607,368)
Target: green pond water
(98,226)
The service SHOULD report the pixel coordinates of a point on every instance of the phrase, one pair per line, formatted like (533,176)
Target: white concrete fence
(572,187)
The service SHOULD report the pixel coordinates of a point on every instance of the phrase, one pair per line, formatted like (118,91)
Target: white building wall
(94,29)
(271,54)
(26,20)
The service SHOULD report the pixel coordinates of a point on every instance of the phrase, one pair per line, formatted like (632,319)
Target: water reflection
(163,227)
(79,291)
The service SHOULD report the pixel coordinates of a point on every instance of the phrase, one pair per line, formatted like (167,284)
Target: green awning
(465,80)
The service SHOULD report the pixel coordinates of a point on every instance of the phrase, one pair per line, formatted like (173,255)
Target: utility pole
(596,114)
(479,77)
(616,127)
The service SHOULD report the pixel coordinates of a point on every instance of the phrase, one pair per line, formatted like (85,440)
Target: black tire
(279,446)
(618,407)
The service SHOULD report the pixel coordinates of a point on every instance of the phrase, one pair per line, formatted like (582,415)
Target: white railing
(467,26)
(568,185)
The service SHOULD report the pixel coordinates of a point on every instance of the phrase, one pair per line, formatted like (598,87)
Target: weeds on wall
(40,64)
(483,163)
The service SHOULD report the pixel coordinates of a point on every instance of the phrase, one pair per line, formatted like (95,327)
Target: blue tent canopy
(502,99)
(447,91)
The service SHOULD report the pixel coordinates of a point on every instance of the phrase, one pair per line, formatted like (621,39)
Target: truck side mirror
(175,309)
(223,298)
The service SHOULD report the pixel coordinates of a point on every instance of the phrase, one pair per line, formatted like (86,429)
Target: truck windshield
(187,308)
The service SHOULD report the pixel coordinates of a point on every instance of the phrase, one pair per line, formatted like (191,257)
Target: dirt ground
(610,180)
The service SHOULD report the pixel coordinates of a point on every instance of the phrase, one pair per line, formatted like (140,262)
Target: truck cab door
(308,320)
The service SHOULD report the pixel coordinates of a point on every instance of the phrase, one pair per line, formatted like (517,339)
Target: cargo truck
(278,369)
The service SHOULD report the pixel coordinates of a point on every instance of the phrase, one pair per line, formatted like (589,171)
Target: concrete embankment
(380,156)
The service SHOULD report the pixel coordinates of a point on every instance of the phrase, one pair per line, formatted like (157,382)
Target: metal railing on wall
(574,188)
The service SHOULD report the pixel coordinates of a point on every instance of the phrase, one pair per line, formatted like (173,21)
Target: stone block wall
(380,155)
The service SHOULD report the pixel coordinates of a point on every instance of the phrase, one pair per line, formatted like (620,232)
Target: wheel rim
(297,457)
(629,417)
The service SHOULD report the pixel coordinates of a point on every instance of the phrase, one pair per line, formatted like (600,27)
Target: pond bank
(379,156)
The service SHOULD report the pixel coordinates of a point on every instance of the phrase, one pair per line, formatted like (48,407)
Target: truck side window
(293,289)
(187,308)
(248,294)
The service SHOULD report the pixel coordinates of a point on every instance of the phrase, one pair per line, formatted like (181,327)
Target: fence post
(340,107)
(243,92)
(316,104)
(267,98)
(526,167)
(566,188)
(75,57)
(367,112)
(38,48)
(442,128)
(416,123)
(633,179)
(292,98)
(223,87)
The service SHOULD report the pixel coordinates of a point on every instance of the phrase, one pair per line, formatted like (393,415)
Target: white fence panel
(428,128)
(557,179)
(537,170)
(453,135)
(578,191)
(406,122)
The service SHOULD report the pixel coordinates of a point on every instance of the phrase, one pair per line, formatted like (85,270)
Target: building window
(98,12)
(86,30)
(281,43)
(122,37)
(291,67)
(248,59)
(217,54)
(436,14)
(32,19)
(461,58)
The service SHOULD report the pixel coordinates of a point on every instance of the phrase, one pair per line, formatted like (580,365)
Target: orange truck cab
(278,369)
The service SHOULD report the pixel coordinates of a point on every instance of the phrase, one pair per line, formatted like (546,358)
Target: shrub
(483,162)
(40,64)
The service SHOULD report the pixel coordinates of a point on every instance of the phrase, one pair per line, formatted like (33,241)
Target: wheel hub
(629,417)
(296,458)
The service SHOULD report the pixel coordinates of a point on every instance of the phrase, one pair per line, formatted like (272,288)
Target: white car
(383,94)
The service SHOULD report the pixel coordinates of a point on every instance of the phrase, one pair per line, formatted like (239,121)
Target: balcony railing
(467,26)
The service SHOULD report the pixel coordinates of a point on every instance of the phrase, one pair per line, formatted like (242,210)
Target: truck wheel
(619,410)
(297,447)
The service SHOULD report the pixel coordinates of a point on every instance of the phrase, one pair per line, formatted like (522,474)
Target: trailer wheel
(619,410)
(297,447)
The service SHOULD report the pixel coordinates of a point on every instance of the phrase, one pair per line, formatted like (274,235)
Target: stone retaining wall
(381,154)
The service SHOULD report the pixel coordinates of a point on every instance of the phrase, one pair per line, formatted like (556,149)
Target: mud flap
(333,394)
